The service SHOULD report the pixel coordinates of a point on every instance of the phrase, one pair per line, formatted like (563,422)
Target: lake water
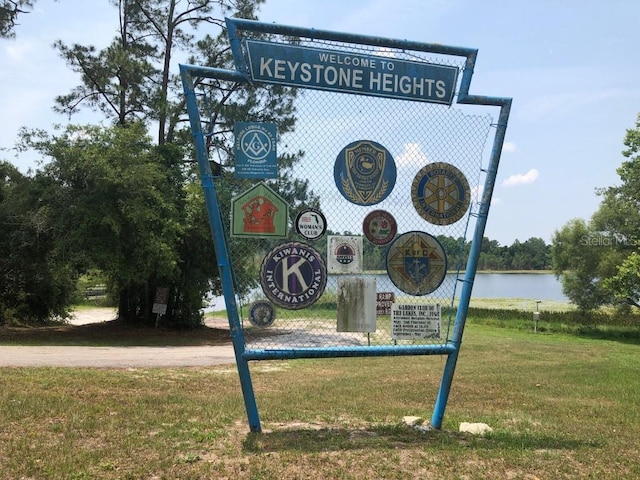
(535,286)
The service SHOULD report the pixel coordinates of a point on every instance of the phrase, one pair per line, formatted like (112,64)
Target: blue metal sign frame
(242,76)
(337,71)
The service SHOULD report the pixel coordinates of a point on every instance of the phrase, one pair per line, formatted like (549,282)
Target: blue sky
(571,67)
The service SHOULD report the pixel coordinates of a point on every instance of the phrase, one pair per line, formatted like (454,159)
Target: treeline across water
(532,254)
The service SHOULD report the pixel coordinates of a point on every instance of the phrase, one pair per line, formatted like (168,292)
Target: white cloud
(412,153)
(509,147)
(521,179)
(18,51)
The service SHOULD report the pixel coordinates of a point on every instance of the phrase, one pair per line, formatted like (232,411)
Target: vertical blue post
(474,254)
(220,245)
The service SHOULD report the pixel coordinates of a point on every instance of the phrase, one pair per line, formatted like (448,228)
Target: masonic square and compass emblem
(364,172)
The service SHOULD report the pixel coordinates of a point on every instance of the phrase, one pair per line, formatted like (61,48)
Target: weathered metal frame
(452,347)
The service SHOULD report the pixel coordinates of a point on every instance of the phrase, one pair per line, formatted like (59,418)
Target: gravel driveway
(113,357)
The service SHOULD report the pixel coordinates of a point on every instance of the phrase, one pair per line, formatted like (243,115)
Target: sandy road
(113,357)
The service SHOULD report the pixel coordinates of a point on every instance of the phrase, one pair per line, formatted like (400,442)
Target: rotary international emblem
(416,263)
(293,275)
(440,193)
(365,172)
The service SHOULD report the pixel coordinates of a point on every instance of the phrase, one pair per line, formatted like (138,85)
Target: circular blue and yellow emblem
(293,275)
(261,313)
(440,193)
(416,263)
(364,172)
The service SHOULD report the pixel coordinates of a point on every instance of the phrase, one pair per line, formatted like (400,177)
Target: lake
(535,286)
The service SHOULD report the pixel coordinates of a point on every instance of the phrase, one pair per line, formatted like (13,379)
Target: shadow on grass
(385,437)
(113,333)
(631,337)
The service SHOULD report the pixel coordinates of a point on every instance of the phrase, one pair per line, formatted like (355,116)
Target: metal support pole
(220,245)
(472,262)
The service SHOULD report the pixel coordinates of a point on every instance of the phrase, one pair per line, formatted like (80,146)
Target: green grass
(561,407)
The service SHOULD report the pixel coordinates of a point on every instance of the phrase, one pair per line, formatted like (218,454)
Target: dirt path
(112,357)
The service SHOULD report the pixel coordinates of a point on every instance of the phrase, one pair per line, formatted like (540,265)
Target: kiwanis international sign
(347,72)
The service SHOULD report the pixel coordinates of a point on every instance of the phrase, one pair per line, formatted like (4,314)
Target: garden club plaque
(440,193)
(416,263)
(293,275)
(364,172)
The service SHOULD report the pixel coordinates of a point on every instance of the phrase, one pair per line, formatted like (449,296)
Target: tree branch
(9,11)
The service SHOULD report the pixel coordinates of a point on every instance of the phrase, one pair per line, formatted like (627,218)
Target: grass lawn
(561,406)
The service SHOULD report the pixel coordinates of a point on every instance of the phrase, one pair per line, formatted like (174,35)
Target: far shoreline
(461,272)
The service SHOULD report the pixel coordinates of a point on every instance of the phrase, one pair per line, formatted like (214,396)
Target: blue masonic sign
(348,72)
(255,150)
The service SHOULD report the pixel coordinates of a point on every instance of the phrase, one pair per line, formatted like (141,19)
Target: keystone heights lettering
(351,73)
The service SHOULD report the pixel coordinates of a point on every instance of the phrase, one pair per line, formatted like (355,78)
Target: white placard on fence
(415,321)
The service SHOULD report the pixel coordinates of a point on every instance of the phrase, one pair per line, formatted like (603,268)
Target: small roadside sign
(384,300)
(160,301)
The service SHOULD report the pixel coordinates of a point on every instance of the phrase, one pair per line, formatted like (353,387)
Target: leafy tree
(9,12)
(36,282)
(592,257)
(598,260)
(134,78)
(131,81)
(625,284)
(538,254)
(457,251)
(619,219)
(532,254)
(491,255)
(577,261)
(111,191)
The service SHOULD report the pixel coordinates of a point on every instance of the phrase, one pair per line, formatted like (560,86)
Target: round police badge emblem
(379,227)
(293,275)
(261,313)
(416,263)
(364,172)
(311,224)
(440,193)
